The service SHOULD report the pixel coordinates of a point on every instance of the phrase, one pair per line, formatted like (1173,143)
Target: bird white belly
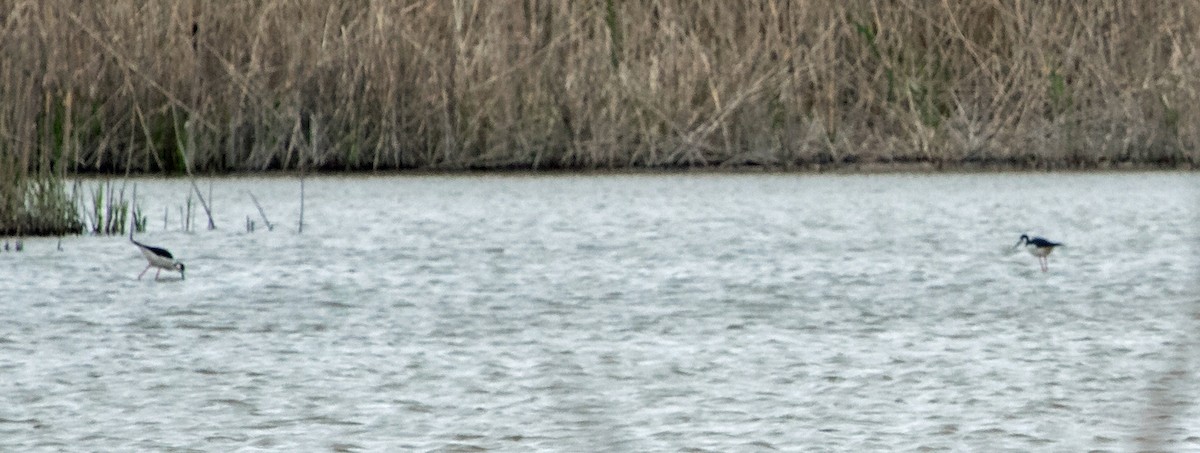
(158,261)
(1040,251)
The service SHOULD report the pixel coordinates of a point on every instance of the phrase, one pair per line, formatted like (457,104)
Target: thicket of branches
(126,85)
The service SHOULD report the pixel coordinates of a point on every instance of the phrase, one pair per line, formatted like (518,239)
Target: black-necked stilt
(1038,247)
(159,258)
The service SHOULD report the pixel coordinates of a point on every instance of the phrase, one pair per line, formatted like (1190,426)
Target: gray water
(620,313)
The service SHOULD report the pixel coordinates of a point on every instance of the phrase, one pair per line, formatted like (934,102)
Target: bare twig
(261,212)
(301,228)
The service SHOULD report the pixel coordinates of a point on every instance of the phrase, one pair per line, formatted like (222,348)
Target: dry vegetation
(123,85)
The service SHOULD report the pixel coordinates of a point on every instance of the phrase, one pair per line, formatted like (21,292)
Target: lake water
(792,312)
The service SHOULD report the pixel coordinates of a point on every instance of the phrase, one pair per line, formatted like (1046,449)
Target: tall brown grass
(193,85)
(33,200)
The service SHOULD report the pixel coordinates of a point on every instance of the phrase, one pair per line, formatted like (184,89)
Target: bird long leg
(143,272)
(156,272)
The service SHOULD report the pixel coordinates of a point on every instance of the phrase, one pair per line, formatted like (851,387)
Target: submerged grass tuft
(109,210)
(38,207)
(34,202)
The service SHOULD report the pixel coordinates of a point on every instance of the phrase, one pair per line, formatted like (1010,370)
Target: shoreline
(873,168)
(78,209)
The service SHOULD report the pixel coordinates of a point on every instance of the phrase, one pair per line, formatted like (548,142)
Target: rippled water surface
(620,313)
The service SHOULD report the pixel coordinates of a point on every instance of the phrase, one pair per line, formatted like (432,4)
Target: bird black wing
(1039,242)
(155,250)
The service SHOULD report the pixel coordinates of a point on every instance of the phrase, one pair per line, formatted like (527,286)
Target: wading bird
(159,258)
(1038,247)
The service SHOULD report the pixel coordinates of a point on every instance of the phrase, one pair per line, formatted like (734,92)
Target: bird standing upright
(159,258)
(1038,247)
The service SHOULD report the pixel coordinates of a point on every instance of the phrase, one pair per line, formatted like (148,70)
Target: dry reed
(126,85)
